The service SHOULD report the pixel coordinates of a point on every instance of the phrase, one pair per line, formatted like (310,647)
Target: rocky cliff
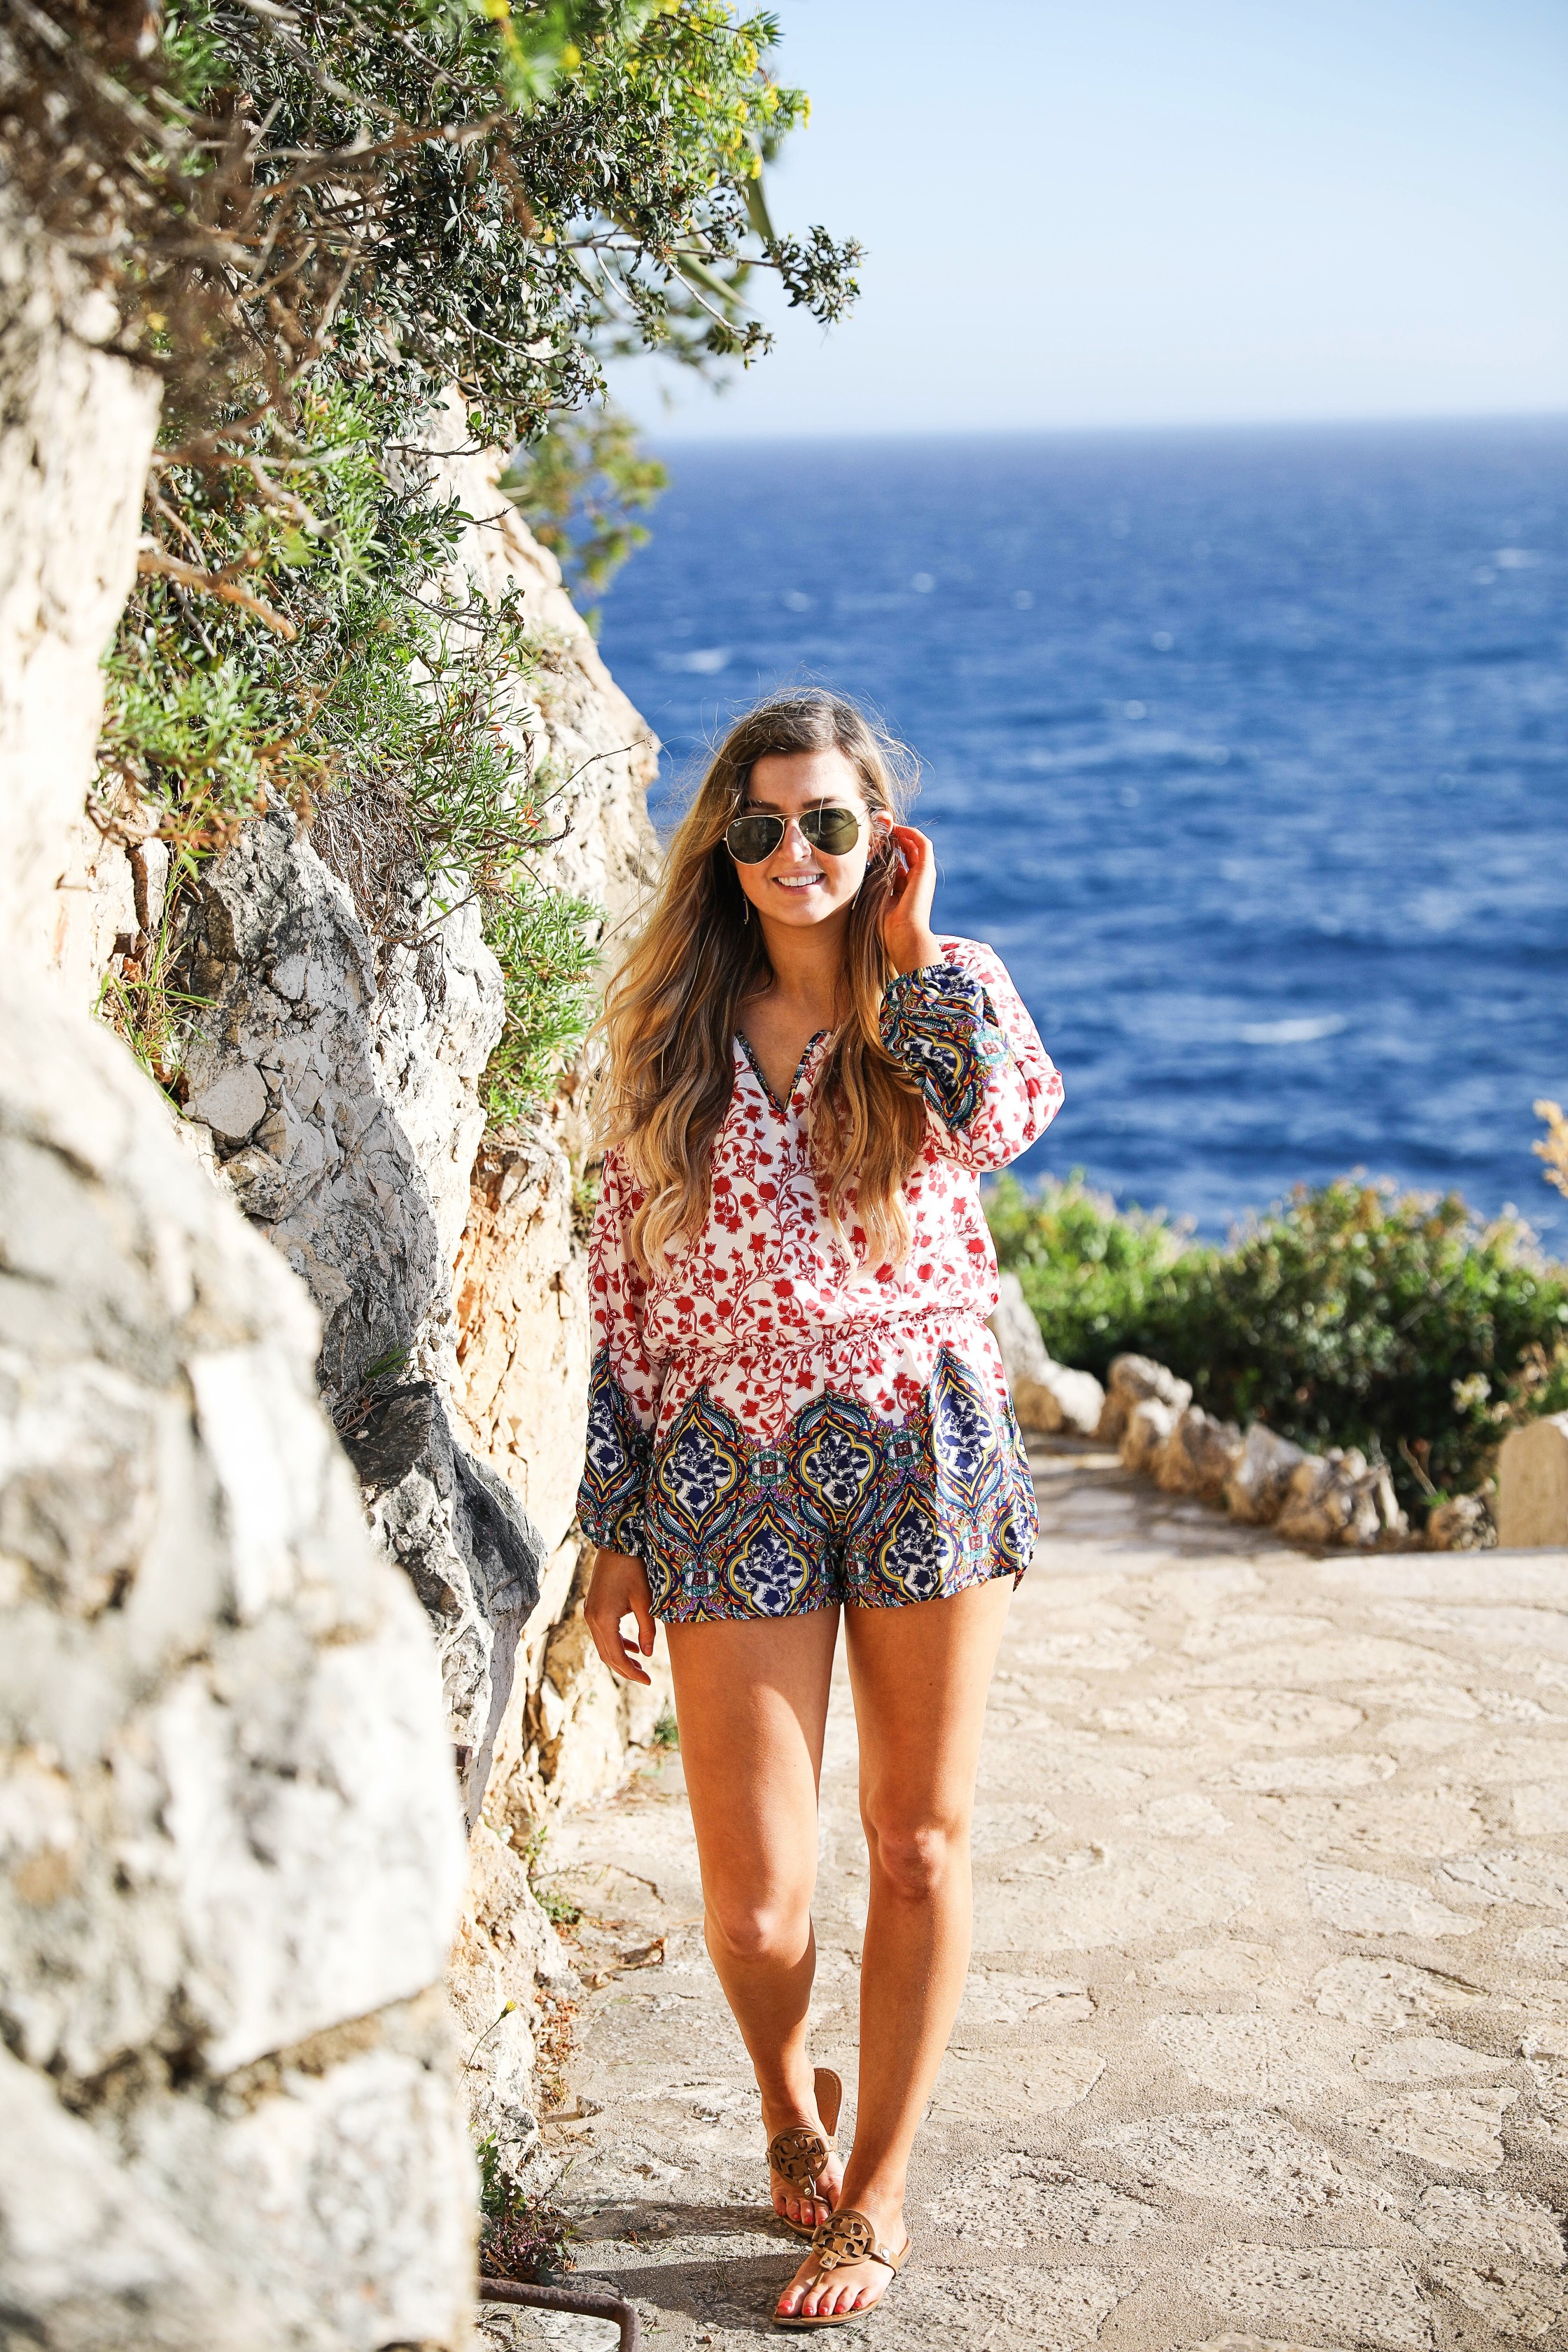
(331,1093)
(231,1860)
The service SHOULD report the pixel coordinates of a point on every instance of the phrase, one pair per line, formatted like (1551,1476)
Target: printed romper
(773,1427)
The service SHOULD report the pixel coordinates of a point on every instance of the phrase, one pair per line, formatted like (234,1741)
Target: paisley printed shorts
(844,1508)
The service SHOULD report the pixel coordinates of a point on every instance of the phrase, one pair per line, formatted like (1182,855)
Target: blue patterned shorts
(844,1508)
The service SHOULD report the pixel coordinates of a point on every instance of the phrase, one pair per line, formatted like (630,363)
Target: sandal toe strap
(799,2156)
(851,2237)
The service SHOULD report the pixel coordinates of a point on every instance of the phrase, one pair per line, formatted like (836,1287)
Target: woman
(797,1411)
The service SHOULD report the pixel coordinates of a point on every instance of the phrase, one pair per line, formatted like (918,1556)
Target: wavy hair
(670,1011)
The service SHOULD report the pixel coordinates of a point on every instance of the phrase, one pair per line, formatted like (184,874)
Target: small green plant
(558,1908)
(394,719)
(520,2238)
(1553,1146)
(141,1004)
(667,1731)
(540,938)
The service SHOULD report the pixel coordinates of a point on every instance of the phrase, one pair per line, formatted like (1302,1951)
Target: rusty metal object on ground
(562,2298)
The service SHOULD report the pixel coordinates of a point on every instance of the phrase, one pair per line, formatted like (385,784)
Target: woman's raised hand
(618,1590)
(907,933)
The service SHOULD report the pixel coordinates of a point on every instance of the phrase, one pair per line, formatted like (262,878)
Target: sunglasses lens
(750,839)
(835,830)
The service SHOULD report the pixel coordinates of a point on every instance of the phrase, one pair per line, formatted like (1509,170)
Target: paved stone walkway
(1265,2041)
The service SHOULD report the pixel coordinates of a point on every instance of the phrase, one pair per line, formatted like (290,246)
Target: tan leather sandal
(850,2237)
(798,2156)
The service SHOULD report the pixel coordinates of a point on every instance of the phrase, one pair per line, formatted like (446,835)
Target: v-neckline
(746,1047)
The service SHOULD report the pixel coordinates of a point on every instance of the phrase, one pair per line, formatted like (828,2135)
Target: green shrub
(1088,1269)
(313,221)
(1352,1315)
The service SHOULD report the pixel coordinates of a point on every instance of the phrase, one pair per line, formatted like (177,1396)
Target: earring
(746,907)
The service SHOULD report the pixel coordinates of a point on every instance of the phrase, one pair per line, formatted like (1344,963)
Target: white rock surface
(1266,2039)
(1149,1426)
(1047,1395)
(1198,1457)
(76,432)
(601,753)
(1133,1379)
(1462,1524)
(340,1088)
(230,1842)
(1258,1487)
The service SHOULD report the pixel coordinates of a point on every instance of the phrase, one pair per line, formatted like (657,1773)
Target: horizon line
(1424,421)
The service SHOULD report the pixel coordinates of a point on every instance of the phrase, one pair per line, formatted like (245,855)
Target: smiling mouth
(799,881)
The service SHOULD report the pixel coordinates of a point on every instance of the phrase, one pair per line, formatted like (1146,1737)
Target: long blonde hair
(670,1011)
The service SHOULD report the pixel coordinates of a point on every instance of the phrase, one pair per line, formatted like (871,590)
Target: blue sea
(1248,750)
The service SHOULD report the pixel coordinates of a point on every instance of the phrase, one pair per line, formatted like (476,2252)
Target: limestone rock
(1045,1395)
(1533,1485)
(523,1331)
(1462,1524)
(1064,1400)
(341,1091)
(76,432)
(1199,1456)
(470,1552)
(508,1977)
(84,2254)
(1133,1379)
(1336,1498)
(602,754)
(231,1848)
(583,1720)
(1257,1486)
(1150,1426)
(1025,1356)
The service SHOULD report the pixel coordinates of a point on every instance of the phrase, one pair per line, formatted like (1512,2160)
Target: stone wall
(231,1858)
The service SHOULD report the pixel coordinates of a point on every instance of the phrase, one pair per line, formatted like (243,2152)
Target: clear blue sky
(1147,212)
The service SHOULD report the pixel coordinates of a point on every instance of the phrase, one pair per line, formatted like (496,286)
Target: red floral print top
(767,1308)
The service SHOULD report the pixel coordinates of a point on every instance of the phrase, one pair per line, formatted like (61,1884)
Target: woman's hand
(618,1590)
(907,933)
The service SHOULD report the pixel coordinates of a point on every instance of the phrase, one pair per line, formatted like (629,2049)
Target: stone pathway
(1265,2041)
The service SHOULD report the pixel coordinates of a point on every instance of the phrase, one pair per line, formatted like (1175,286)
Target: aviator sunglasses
(754,835)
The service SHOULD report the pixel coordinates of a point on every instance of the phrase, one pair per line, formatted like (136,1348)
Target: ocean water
(1247,751)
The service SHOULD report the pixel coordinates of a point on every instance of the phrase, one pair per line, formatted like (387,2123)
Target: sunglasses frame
(771,816)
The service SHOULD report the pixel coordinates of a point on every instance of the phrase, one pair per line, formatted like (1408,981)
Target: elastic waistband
(821,1337)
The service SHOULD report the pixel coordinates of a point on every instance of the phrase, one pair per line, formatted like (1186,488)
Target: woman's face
(797,885)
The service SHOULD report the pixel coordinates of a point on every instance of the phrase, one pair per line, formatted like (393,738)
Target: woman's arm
(622,1406)
(954,1019)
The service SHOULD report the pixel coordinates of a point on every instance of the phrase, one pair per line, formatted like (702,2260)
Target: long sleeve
(625,1383)
(960,1029)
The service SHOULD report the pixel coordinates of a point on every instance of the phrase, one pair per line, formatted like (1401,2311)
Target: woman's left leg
(919,1675)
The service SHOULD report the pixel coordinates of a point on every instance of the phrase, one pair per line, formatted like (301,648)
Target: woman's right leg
(751,1698)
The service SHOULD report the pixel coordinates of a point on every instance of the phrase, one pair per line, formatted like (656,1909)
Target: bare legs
(751,1699)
